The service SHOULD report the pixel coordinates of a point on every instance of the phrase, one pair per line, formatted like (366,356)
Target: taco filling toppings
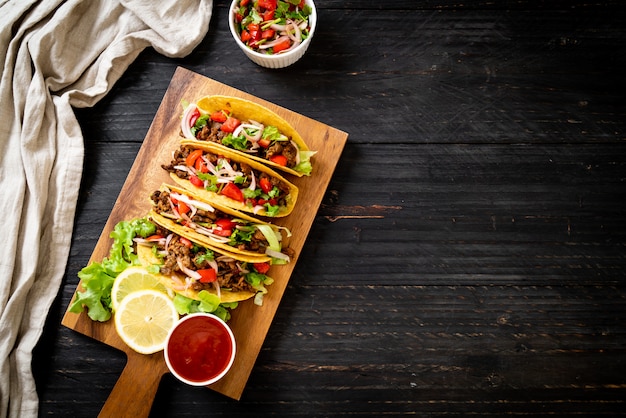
(248,136)
(220,227)
(198,268)
(272,26)
(232,179)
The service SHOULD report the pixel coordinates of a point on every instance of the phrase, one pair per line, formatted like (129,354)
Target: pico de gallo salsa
(272,26)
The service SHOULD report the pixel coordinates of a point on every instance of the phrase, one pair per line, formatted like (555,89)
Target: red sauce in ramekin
(200,349)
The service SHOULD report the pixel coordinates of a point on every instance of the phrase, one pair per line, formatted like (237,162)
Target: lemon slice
(133,279)
(144,319)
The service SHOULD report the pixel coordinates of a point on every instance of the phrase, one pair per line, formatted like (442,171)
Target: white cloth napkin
(55,55)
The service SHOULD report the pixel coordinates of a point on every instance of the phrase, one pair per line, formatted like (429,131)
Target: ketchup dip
(200,349)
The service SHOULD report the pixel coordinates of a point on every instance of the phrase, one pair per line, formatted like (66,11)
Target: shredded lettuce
(270,235)
(304,166)
(272,133)
(208,302)
(97,278)
(237,142)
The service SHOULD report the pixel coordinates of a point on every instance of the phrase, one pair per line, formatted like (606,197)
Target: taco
(219,175)
(187,267)
(217,226)
(249,129)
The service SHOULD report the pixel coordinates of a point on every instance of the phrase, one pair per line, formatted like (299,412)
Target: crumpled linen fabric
(56,55)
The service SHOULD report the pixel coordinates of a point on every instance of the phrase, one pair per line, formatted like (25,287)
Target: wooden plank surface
(468,256)
(249,322)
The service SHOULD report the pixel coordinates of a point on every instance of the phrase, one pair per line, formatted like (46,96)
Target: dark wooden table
(469,257)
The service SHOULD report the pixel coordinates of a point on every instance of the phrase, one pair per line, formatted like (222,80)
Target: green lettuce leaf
(97,278)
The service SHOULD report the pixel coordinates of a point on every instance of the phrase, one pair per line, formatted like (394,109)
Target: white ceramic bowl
(200,349)
(274,60)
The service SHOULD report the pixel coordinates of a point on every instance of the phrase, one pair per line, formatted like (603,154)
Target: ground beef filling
(211,132)
(181,154)
(258,243)
(229,275)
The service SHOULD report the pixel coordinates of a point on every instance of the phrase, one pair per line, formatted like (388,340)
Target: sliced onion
(188,220)
(218,290)
(276,254)
(279,28)
(174,208)
(274,42)
(143,241)
(185,122)
(296,36)
(168,240)
(213,265)
(242,270)
(225,258)
(190,273)
(209,233)
(192,202)
(252,182)
(209,164)
(180,285)
(297,153)
(189,170)
(241,129)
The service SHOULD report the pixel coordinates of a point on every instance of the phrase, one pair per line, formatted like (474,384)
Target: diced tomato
(244,2)
(186,242)
(207,275)
(281,46)
(233,192)
(266,185)
(268,4)
(194,117)
(264,142)
(201,166)
(268,15)
(262,267)
(230,125)
(279,159)
(301,5)
(251,202)
(182,207)
(253,26)
(154,237)
(238,17)
(245,36)
(195,180)
(225,223)
(192,157)
(219,116)
(268,34)
(224,227)
(272,202)
(261,202)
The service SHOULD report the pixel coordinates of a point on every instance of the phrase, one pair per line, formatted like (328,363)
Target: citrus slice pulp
(144,319)
(130,280)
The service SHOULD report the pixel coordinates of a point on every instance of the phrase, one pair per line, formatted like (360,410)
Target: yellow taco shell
(225,249)
(147,258)
(246,110)
(219,199)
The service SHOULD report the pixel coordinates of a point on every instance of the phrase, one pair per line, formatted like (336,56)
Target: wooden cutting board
(134,392)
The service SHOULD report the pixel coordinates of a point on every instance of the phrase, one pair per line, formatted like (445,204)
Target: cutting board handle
(135,390)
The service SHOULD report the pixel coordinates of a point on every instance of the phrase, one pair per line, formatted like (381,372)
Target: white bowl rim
(223,372)
(233,31)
